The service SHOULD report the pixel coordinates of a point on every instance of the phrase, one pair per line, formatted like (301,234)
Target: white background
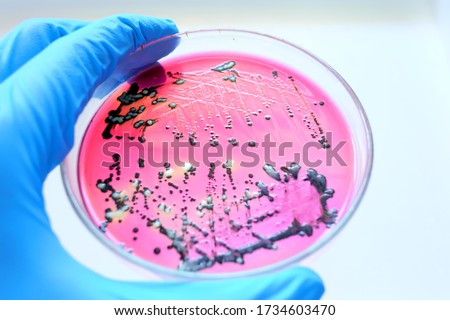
(395,55)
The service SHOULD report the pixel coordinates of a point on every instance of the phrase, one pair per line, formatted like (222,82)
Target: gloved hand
(48,71)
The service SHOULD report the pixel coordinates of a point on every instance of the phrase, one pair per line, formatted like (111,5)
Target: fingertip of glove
(308,285)
(163,26)
(150,28)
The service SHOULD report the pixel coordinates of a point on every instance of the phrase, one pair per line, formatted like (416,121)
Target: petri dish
(236,153)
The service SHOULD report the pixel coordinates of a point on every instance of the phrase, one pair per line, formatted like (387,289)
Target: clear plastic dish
(300,86)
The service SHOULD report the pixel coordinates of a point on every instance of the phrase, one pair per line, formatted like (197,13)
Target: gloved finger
(29,38)
(47,93)
(295,283)
(44,270)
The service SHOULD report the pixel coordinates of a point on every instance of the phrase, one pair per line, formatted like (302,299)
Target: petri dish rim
(167,273)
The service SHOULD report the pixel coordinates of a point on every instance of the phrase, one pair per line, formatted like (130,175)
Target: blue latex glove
(48,71)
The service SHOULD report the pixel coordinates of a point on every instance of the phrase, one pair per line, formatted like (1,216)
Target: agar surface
(196,216)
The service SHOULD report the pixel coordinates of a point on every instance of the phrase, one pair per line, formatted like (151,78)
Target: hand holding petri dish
(235,154)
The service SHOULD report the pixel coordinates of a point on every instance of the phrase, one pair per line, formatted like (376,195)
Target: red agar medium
(216,163)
